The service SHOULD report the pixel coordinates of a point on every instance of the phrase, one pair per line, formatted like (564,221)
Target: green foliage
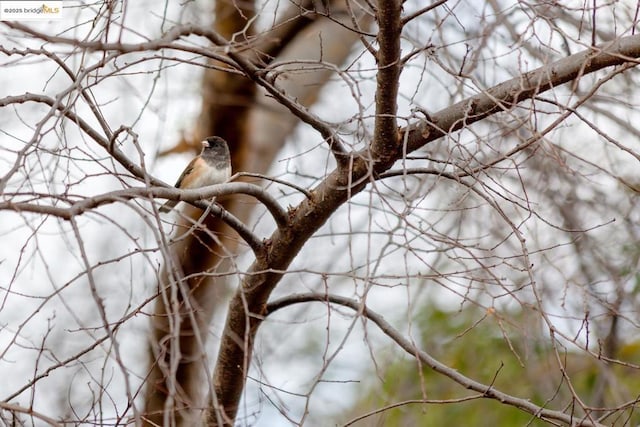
(506,350)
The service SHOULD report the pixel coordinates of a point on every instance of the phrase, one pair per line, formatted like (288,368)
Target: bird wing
(185,172)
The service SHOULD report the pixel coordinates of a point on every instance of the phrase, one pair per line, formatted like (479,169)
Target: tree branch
(304,191)
(506,95)
(258,76)
(67,112)
(30,412)
(385,133)
(167,41)
(488,391)
(248,305)
(238,61)
(422,11)
(196,197)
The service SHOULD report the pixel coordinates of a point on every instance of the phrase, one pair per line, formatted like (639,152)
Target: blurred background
(508,250)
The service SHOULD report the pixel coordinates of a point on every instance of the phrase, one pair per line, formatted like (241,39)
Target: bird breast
(211,177)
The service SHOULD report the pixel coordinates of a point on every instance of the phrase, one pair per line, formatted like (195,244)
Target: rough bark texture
(384,145)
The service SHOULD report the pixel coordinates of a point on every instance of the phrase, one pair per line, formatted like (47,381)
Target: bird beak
(205,144)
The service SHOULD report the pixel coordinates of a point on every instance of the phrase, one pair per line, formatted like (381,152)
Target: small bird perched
(212,166)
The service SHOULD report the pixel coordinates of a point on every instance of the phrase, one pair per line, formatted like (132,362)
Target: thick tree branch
(248,303)
(506,95)
(197,197)
(247,307)
(566,112)
(385,134)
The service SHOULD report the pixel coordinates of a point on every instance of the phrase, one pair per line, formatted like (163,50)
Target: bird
(211,166)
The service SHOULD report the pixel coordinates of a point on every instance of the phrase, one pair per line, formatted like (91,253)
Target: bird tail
(169,204)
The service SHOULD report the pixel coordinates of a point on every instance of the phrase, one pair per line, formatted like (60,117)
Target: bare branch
(304,191)
(422,11)
(67,112)
(487,391)
(196,197)
(411,402)
(257,75)
(30,412)
(165,42)
(507,94)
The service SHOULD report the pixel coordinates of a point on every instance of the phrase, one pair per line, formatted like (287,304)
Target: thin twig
(67,112)
(412,402)
(28,411)
(304,191)
(422,11)
(258,76)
